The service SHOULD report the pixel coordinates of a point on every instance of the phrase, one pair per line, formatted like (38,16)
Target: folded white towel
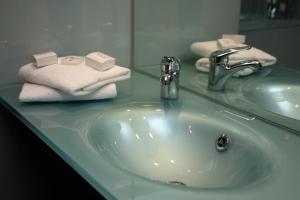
(204,49)
(39,93)
(75,80)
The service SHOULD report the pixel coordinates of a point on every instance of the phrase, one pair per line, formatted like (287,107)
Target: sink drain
(177,183)
(223,142)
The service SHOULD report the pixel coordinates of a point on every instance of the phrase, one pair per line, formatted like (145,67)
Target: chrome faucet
(220,71)
(169,77)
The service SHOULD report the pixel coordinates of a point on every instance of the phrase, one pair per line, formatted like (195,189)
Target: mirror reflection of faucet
(220,69)
(234,44)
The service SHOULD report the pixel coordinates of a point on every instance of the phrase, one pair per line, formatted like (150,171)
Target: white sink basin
(178,147)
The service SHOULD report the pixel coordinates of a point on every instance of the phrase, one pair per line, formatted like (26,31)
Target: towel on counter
(39,93)
(75,80)
(204,49)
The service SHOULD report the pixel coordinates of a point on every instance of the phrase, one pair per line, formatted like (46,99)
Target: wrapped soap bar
(44,59)
(99,61)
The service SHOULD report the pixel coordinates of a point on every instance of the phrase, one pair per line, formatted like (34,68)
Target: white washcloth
(39,93)
(204,49)
(75,80)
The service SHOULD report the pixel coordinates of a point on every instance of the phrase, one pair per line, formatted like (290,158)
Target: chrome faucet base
(169,78)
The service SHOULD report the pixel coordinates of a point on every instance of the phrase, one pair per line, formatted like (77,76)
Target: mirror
(167,27)
(268,14)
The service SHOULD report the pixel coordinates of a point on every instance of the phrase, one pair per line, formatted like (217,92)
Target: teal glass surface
(271,94)
(122,160)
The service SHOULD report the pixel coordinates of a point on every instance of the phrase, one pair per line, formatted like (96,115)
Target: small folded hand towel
(204,49)
(39,93)
(75,80)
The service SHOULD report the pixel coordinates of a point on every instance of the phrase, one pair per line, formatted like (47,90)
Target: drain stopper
(222,142)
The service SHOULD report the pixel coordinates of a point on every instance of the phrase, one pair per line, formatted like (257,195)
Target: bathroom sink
(140,147)
(281,96)
(175,145)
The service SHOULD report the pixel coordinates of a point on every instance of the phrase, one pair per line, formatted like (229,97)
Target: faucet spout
(220,71)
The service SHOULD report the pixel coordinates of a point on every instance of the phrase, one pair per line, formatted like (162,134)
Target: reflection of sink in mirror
(280,96)
(178,146)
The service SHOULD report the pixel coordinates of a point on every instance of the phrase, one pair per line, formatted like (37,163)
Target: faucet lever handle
(222,55)
(170,64)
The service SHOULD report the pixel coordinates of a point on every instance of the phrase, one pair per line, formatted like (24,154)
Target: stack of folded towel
(204,49)
(50,78)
